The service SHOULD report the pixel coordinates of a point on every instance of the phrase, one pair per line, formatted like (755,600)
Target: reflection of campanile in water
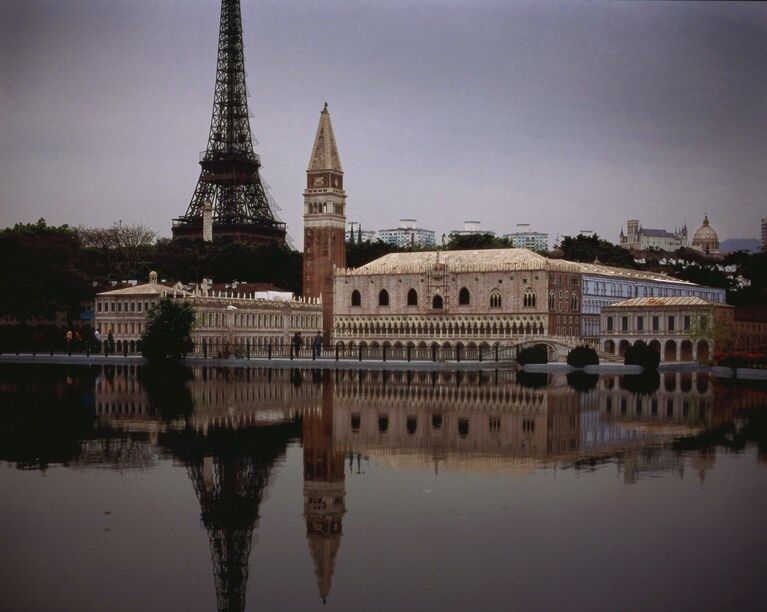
(323,487)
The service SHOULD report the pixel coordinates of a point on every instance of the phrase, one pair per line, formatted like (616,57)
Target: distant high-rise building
(638,238)
(524,238)
(470,228)
(407,234)
(355,233)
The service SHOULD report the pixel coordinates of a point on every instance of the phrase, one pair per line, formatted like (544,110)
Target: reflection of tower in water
(324,490)
(230,470)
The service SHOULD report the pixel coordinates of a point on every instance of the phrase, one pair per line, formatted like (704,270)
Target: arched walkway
(623,347)
(703,351)
(685,351)
(669,353)
(610,347)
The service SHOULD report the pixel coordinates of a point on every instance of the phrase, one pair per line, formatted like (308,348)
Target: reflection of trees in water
(166,389)
(582,382)
(230,470)
(533,380)
(736,436)
(46,412)
(646,383)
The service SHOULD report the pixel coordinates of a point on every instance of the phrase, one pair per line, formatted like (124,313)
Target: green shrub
(642,354)
(582,356)
(168,331)
(533,354)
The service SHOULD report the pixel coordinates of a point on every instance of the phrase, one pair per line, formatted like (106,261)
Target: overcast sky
(564,115)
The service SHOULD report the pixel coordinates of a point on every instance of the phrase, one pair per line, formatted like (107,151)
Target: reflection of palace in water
(239,423)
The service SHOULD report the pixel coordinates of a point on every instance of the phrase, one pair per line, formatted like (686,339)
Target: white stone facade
(227,322)
(467,298)
(665,324)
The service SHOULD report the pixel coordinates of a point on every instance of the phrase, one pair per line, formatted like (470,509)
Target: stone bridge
(558,347)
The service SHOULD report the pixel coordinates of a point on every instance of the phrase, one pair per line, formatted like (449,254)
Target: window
(528,425)
(412,298)
(528,301)
(671,323)
(552,300)
(495,300)
(98,306)
(703,323)
(437,302)
(495,424)
(383,298)
(686,322)
(574,302)
(655,323)
(609,324)
(640,323)
(624,323)
(464,297)
(356,298)
(463,427)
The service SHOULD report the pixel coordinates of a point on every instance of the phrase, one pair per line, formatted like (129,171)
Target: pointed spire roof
(325,152)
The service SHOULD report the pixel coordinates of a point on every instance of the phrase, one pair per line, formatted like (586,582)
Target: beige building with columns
(456,298)
(666,324)
(228,322)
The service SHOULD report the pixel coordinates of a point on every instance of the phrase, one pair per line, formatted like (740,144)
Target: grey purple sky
(565,115)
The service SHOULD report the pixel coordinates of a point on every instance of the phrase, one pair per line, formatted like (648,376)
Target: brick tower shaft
(324,220)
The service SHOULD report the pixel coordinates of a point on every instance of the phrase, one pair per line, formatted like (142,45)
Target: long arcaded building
(484,297)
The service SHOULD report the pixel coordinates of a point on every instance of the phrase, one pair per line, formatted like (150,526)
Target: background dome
(705,237)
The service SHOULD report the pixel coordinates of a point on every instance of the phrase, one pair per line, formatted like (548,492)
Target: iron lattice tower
(231,470)
(230,180)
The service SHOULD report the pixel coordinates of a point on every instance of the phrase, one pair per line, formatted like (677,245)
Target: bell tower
(324,219)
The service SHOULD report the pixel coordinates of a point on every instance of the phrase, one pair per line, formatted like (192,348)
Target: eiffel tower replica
(231,470)
(230,200)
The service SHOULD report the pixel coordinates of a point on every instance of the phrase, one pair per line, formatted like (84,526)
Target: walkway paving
(261,362)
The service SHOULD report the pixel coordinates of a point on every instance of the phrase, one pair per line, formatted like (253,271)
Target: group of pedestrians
(74,342)
(317,343)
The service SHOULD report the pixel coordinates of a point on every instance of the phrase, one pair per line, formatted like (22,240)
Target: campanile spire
(324,219)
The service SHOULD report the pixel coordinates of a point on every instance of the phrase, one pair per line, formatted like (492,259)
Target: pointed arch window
(437,302)
(528,300)
(356,298)
(552,300)
(464,297)
(495,299)
(412,298)
(574,302)
(383,298)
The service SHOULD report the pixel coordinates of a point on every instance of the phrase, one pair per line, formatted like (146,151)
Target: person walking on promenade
(97,338)
(297,342)
(317,345)
(69,342)
(110,342)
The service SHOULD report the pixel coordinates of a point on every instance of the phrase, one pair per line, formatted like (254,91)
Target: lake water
(204,489)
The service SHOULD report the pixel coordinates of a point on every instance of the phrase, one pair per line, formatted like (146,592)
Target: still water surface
(206,489)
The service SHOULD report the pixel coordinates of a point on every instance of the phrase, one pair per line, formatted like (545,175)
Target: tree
(581,356)
(537,353)
(706,325)
(42,272)
(642,354)
(588,249)
(470,242)
(168,331)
